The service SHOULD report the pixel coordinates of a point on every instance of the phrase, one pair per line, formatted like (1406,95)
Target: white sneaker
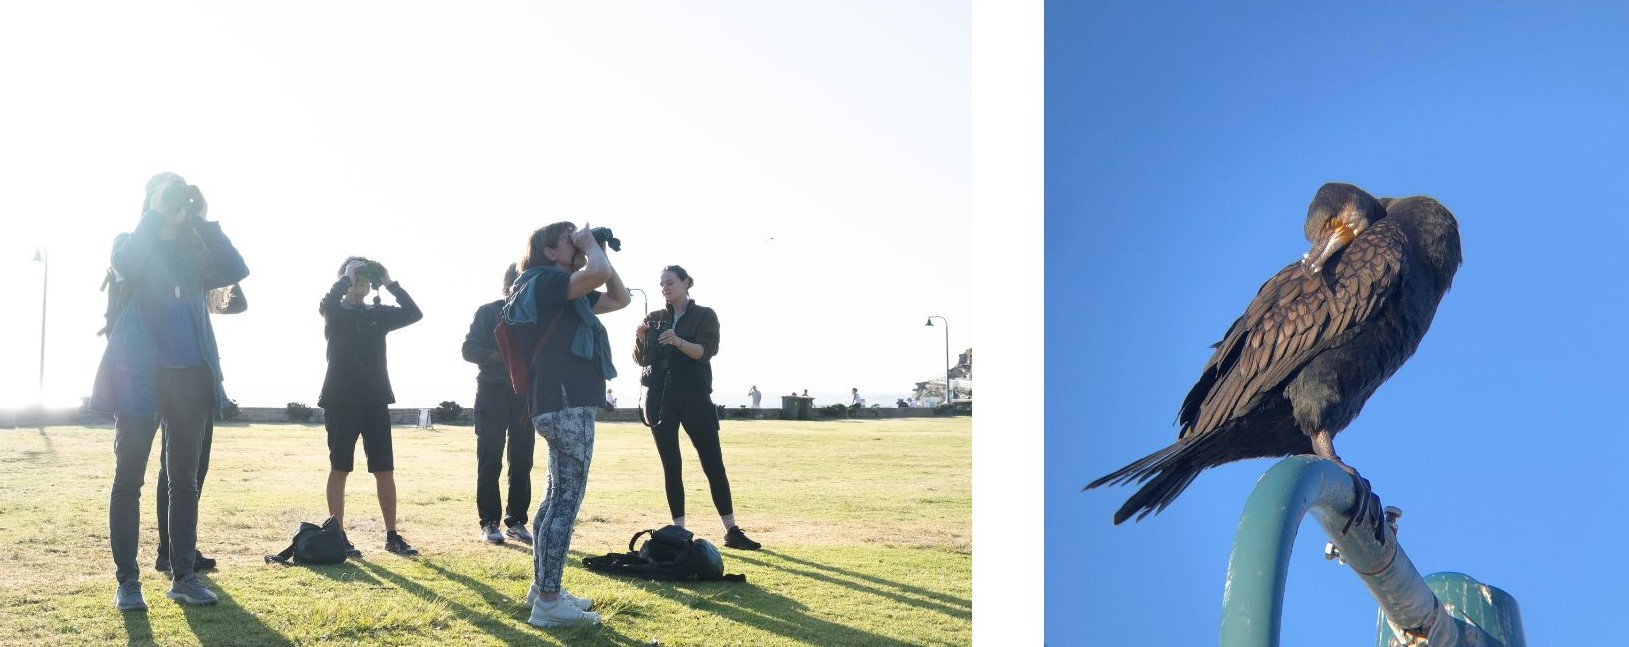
(560,613)
(489,532)
(581,603)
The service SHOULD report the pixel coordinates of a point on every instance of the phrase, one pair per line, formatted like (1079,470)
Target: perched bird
(1321,335)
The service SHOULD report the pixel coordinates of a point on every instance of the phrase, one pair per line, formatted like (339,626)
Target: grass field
(866,527)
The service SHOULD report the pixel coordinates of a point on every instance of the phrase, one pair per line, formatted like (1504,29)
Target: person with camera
(677,344)
(500,416)
(556,302)
(356,394)
(161,365)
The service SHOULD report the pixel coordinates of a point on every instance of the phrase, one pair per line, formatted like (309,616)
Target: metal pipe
(1253,601)
(45,285)
(950,393)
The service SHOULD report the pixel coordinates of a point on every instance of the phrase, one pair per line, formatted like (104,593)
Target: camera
(186,197)
(603,236)
(654,328)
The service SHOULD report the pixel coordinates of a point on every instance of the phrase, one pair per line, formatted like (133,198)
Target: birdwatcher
(356,393)
(500,420)
(161,366)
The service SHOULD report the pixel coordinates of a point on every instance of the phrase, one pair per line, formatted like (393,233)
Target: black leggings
(696,412)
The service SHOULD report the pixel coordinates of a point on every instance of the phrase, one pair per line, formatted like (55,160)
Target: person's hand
(644,327)
(583,238)
(668,338)
(352,267)
(384,276)
(197,195)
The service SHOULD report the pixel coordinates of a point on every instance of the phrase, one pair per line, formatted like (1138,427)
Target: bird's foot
(1366,508)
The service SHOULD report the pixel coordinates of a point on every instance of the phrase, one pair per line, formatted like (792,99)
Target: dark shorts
(370,421)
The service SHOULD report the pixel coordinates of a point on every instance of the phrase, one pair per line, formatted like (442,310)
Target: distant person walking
(755,395)
(356,393)
(161,365)
(855,403)
(500,419)
(556,292)
(678,344)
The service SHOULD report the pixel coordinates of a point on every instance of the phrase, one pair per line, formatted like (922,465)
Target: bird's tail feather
(1167,473)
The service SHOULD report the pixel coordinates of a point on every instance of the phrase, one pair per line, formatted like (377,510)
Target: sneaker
(517,532)
(199,563)
(395,544)
(128,597)
(191,591)
(351,551)
(737,539)
(560,614)
(489,533)
(581,603)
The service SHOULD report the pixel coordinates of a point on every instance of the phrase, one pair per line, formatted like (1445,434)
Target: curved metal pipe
(1253,602)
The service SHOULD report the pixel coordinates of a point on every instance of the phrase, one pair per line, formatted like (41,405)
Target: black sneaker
(199,563)
(738,540)
(351,551)
(395,544)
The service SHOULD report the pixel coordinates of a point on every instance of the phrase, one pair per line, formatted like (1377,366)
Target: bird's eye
(1334,223)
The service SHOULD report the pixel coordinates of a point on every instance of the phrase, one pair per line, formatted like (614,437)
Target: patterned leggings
(570,436)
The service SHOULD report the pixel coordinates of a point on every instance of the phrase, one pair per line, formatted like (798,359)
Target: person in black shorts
(678,343)
(356,394)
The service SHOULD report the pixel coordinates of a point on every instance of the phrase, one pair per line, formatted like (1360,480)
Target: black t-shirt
(357,372)
(561,380)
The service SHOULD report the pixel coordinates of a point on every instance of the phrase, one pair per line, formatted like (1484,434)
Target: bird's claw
(1365,509)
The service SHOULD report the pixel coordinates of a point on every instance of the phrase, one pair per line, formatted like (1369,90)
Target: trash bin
(804,405)
(789,407)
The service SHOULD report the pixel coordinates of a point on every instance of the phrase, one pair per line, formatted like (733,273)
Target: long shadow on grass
(344,573)
(140,632)
(949,605)
(500,628)
(227,623)
(758,608)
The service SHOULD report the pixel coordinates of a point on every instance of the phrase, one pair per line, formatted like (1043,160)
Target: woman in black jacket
(677,344)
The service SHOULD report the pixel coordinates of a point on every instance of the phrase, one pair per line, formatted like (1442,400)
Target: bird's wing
(1292,319)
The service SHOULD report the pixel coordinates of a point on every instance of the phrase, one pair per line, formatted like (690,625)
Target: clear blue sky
(1183,142)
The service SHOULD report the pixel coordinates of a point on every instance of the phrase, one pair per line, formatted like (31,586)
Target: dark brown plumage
(1319,338)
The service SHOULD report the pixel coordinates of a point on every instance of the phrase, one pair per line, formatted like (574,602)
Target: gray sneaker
(191,591)
(518,532)
(490,534)
(128,597)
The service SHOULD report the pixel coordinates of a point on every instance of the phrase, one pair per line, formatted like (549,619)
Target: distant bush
(955,409)
(447,412)
(231,410)
(834,410)
(297,412)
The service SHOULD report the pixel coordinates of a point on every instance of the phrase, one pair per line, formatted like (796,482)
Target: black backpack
(314,544)
(671,554)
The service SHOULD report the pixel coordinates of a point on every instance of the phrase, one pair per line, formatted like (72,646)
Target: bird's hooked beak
(1313,261)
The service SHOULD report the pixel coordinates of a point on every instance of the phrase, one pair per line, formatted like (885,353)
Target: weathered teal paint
(1485,610)
(1253,602)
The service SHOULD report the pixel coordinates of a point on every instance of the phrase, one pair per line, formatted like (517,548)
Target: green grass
(866,527)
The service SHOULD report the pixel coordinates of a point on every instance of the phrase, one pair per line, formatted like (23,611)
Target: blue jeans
(570,436)
(186,397)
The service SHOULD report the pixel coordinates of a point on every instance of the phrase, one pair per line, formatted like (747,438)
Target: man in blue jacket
(161,365)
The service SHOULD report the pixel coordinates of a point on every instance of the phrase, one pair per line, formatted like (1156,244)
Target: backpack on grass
(671,554)
(314,544)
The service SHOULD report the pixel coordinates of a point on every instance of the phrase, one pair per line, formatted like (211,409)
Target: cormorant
(1321,335)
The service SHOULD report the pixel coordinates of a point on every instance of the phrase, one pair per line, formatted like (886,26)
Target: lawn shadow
(947,604)
(136,627)
(762,609)
(493,597)
(501,628)
(344,573)
(228,623)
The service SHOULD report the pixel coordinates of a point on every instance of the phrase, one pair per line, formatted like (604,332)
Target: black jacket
(356,345)
(481,345)
(698,325)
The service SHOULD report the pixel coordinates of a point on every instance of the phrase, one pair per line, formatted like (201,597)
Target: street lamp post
(950,393)
(45,281)
(644,302)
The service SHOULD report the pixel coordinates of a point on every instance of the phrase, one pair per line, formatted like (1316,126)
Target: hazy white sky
(808,162)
